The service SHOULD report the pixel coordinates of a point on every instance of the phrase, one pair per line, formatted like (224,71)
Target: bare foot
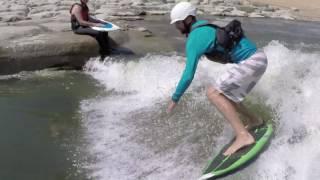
(240,142)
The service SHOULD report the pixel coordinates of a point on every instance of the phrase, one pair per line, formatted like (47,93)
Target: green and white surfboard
(222,165)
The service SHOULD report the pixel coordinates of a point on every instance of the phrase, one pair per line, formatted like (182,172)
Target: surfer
(81,22)
(229,90)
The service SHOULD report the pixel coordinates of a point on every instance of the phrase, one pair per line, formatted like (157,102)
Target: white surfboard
(108,26)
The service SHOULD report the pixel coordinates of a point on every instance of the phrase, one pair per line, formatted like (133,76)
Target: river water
(108,122)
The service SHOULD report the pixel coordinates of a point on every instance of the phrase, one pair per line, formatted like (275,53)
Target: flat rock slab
(27,49)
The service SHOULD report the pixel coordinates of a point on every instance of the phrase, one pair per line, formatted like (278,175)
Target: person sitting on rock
(81,23)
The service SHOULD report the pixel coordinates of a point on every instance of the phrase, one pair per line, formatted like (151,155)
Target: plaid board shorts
(240,78)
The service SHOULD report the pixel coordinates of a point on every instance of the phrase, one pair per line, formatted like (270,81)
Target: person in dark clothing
(81,23)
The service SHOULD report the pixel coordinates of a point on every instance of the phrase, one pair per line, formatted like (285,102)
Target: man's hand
(171,106)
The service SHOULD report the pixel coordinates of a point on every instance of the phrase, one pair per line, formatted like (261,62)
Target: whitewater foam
(140,89)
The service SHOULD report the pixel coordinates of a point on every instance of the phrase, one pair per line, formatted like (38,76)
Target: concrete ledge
(65,48)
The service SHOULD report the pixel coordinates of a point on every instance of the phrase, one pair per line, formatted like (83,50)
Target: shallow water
(109,122)
(40,127)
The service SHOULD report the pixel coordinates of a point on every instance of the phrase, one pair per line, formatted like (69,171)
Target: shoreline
(34,31)
(38,46)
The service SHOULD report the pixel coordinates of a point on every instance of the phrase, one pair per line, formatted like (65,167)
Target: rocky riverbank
(36,34)
(19,10)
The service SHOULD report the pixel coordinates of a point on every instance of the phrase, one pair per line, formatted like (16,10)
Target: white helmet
(181,11)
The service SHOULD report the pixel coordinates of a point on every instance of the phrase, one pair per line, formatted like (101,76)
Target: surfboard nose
(206,176)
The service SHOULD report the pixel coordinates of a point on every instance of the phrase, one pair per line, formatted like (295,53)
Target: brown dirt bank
(307,10)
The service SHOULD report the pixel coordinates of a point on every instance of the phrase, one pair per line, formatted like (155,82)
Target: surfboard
(222,165)
(108,26)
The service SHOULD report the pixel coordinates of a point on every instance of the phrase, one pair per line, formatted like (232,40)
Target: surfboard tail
(221,165)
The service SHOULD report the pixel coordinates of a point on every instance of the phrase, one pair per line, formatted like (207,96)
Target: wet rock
(126,18)
(195,2)
(4,9)
(227,9)
(41,28)
(216,2)
(247,9)
(107,11)
(14,18)
(8,15)
(258,4)
(246,3)
(126,12)
(204,2)
(139,2)
(256,15)
(270,9)
(62,8)
(141,29)
(18,8)
(159,12)
(287,17)
(56,27)
(200,12)
(147,33)
(57,8)
(30,51)
(14,32)
(43,15)
(238,13)
(283,14)
(236,2)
